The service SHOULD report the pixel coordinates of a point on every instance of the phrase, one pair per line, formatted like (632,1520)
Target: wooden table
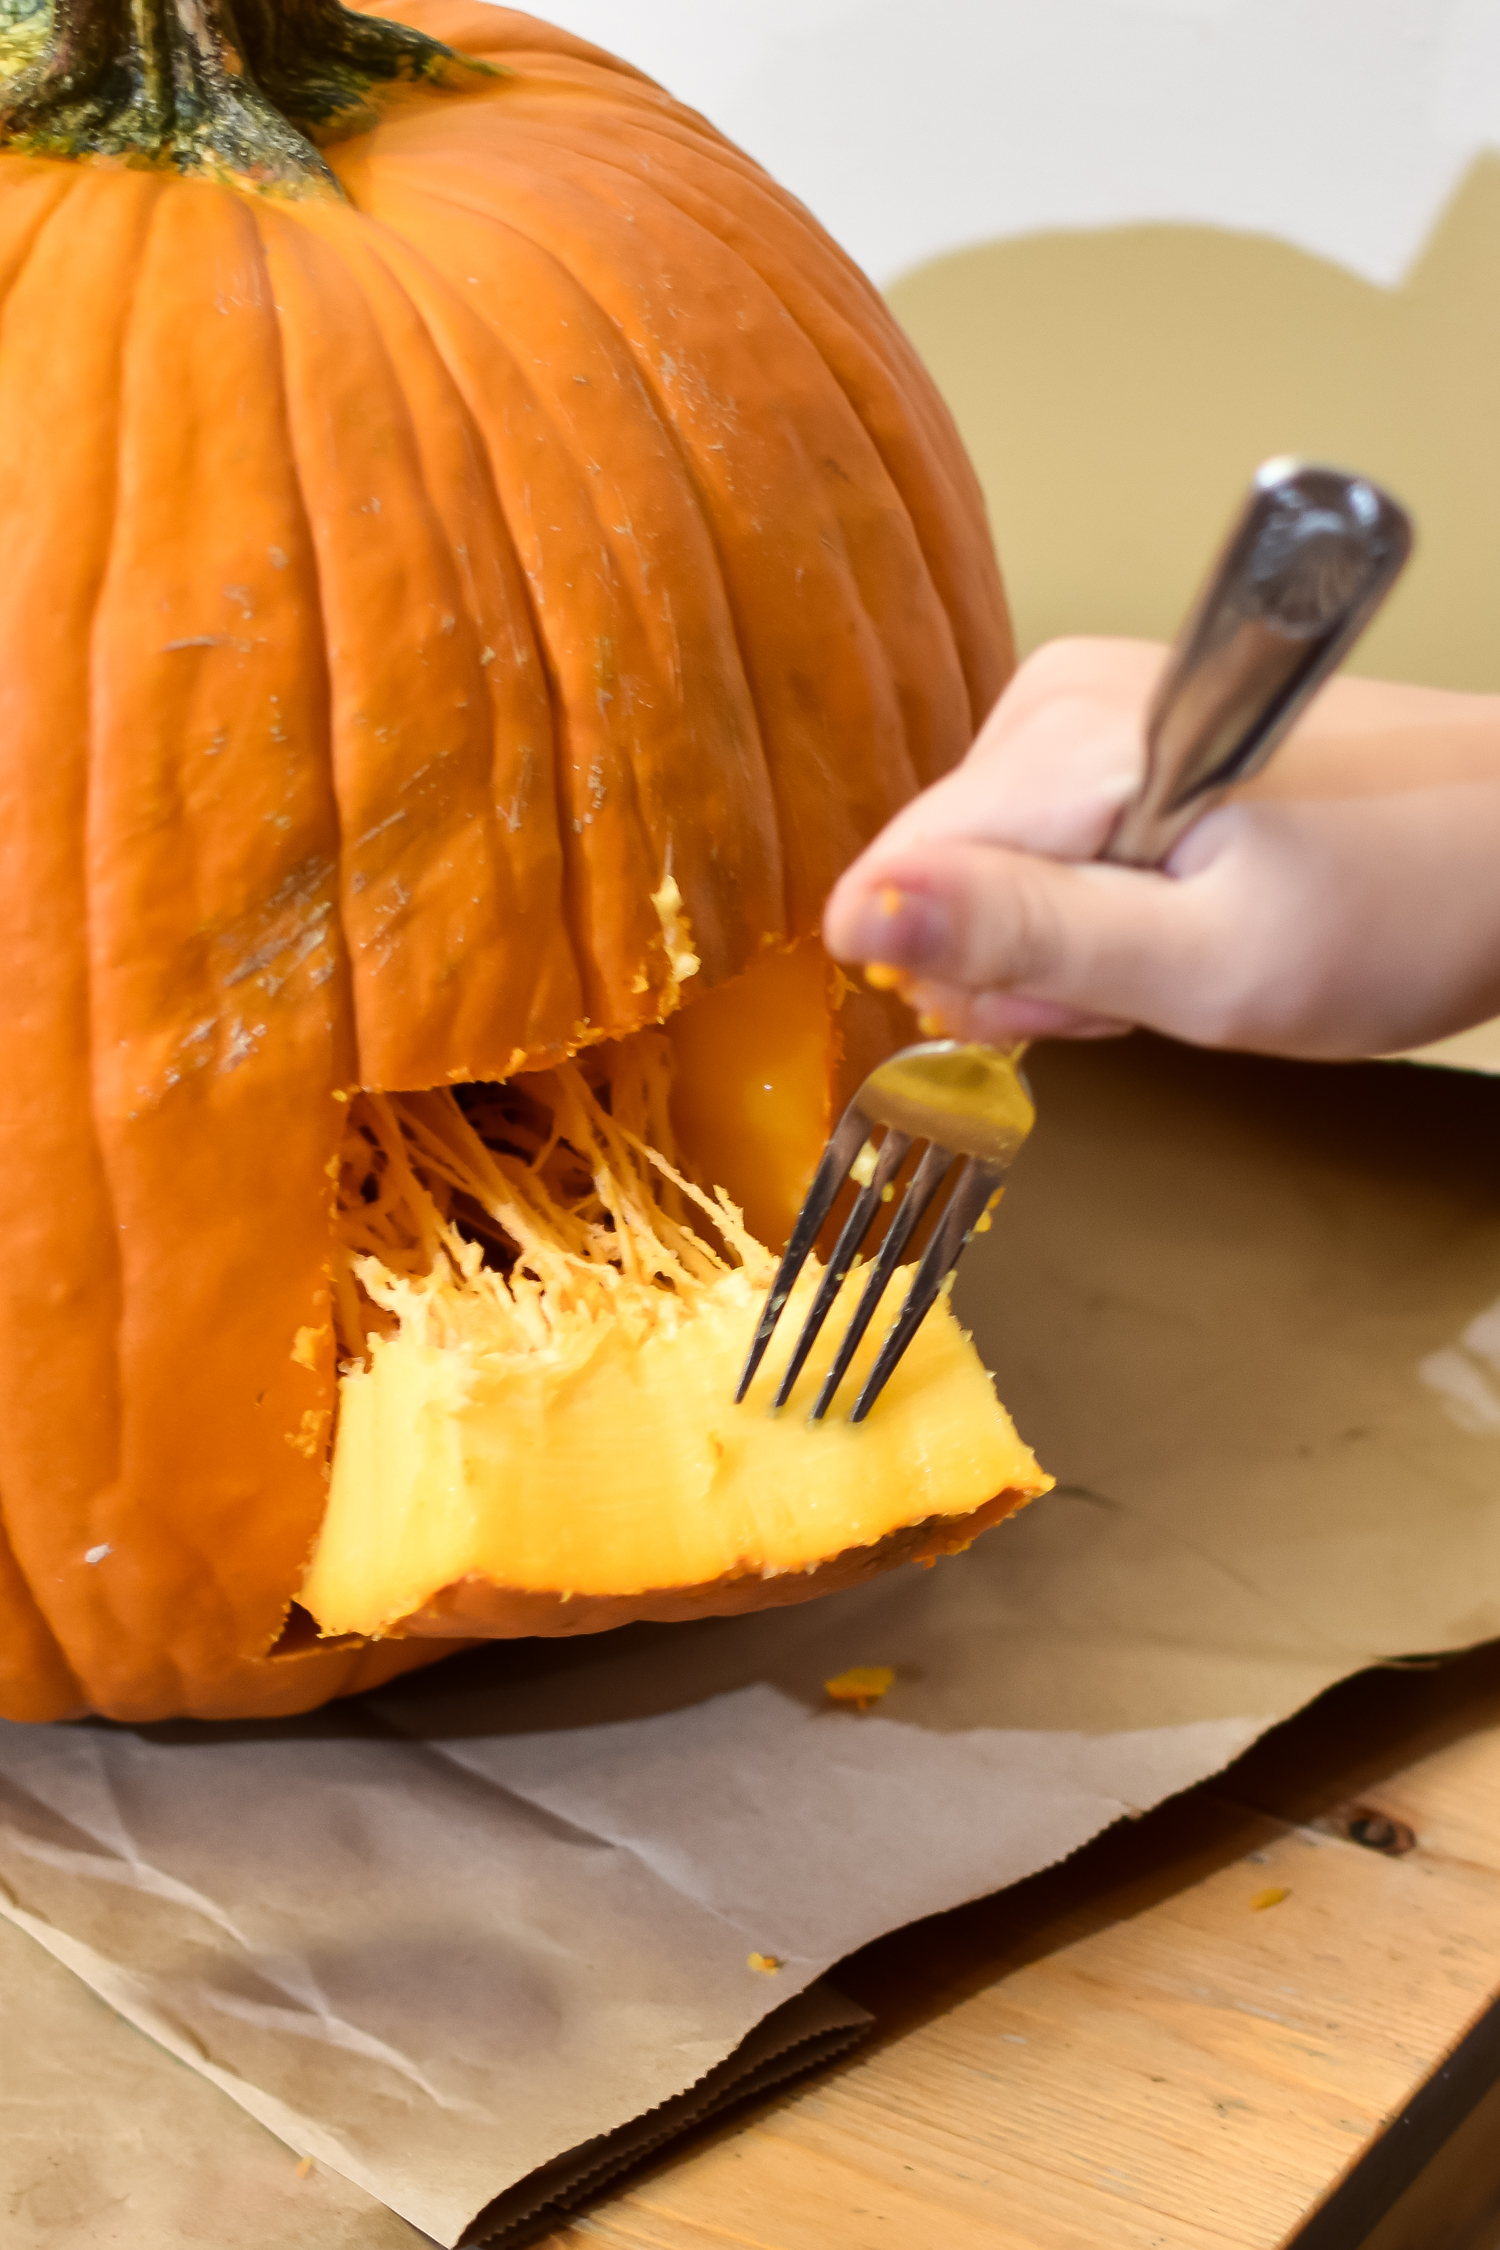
(1219,2027)
(1137,2051)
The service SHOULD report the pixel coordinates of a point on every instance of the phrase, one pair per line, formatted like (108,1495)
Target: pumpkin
(479,562)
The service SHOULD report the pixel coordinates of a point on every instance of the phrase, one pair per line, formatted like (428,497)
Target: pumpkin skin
(397,591)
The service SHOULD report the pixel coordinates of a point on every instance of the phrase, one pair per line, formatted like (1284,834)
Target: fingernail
(900,931)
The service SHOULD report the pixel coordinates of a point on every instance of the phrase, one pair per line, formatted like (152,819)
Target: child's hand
(1346,903)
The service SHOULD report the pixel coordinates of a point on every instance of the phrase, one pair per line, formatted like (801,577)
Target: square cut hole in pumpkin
(541,1315)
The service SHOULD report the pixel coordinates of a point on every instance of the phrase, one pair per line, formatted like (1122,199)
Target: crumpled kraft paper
(444,1938)
(107,2140)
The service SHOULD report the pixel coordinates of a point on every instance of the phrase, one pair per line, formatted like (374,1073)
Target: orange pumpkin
(433,571)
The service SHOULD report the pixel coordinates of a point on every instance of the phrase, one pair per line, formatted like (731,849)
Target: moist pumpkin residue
(540,1321)
(531,1210)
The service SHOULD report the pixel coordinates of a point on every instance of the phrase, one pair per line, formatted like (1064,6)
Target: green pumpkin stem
(237,92)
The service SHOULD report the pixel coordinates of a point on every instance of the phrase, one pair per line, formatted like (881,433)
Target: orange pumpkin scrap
(861,1685)
(470,585)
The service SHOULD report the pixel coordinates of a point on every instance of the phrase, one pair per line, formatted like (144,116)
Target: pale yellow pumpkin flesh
(557,1423)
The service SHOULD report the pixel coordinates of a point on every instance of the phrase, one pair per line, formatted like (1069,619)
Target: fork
(1310,559)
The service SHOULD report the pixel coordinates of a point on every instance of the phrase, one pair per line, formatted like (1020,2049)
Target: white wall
(914,127)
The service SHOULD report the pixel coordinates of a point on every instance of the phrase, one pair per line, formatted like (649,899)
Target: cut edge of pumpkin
(479,1609)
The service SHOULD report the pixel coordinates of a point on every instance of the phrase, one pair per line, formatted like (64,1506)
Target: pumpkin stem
(237,90)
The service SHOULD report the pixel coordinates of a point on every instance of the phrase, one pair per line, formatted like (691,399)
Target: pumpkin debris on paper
(861,1685)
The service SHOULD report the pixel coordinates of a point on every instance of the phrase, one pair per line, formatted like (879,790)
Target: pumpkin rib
(482,917)
(969,589)
(219,1000)
(741,784)
(94,1122)
(533,1047)
(621,1016)
(580,877)
(702,929)
(555,712)
(279,238)
(795,688)
(682,131)
(59,1471)
(169,1678)
(168,1682)
(705,513)
(925,747)
(36,1678)
(317,609)
(319,623)
(646,106)
(981,667)
(52,183)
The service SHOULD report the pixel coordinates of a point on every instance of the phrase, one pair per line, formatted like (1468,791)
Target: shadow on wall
(1117,389)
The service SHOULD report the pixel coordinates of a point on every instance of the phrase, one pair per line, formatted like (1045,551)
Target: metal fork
(1310,559)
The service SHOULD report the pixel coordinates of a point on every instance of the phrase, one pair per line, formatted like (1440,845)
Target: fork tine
(892,1155)
(926,1181)
(849,1138)
(970,1199)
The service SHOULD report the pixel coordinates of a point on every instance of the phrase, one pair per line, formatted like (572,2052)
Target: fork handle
(1310,560)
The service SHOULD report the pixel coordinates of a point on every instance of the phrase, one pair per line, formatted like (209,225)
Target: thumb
(1091,939)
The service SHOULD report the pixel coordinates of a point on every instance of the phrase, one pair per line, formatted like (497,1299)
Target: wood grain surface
(1141,2048)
